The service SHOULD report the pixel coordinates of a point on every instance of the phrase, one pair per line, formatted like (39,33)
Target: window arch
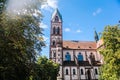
(54,54)
(80,57)
(66,72)
(81,71)
(96,71)
(58,30)
(74,72)
(53,43)
(53,30)
(68,57)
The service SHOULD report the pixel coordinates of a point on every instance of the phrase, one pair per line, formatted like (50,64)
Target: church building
(79,60)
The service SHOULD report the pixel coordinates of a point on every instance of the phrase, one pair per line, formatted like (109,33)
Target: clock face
(56,19)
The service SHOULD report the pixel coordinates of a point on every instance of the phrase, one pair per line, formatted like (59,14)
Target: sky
(80,18)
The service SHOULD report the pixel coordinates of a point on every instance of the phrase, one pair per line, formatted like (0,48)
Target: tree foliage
(19,44)
(2,5)
(20,41)
(111,53)
(45,69)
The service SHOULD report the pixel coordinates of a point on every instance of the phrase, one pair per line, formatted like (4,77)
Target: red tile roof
(79,45)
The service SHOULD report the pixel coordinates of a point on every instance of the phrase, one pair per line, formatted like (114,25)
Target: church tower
(56,40)
(56,37)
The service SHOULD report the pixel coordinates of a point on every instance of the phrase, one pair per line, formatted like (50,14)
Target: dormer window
(67,47)
(56,19)
(90,47)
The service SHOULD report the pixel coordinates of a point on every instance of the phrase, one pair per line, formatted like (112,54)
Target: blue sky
(80,17)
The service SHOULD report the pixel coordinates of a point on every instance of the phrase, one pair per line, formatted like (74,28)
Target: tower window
(67,57)
(96,71)
(74,72)
(53,43)
(56,19)
(81,71)
(58,30)
(66,71)
(54,30)
(54,54)
(80,57)
(90,47)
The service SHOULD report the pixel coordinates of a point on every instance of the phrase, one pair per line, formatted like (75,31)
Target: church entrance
(89,75)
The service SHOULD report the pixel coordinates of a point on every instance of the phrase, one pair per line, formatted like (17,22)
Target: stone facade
(79,60)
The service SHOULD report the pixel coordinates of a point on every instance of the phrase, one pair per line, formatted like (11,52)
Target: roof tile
(79,44)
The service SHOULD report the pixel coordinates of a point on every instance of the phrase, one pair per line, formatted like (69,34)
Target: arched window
(92,57)
(56,19)
(54,54)
(74,72)
(80,57)
(81,71)
(53,43)
(96,71)
(66,72)
(53,30)
(58,30)
(67,57)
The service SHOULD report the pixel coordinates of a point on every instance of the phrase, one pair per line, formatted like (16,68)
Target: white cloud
(67,29)
(78,31)
(98,11)
(23,7)
(42,25)
(51,4)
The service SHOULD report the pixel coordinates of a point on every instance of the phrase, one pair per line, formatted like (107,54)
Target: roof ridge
(77,41)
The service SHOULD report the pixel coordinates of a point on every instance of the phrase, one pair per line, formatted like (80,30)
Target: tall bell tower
(56,37)
(56,41)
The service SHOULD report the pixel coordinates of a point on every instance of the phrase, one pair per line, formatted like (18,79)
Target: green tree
(111,53)
(2,5)
(45,69)
(19,44)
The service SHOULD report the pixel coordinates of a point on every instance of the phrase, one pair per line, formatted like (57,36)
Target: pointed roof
(56,12)
(96,36)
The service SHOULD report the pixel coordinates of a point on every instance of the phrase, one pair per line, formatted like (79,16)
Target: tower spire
(56,40)
(56,13)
